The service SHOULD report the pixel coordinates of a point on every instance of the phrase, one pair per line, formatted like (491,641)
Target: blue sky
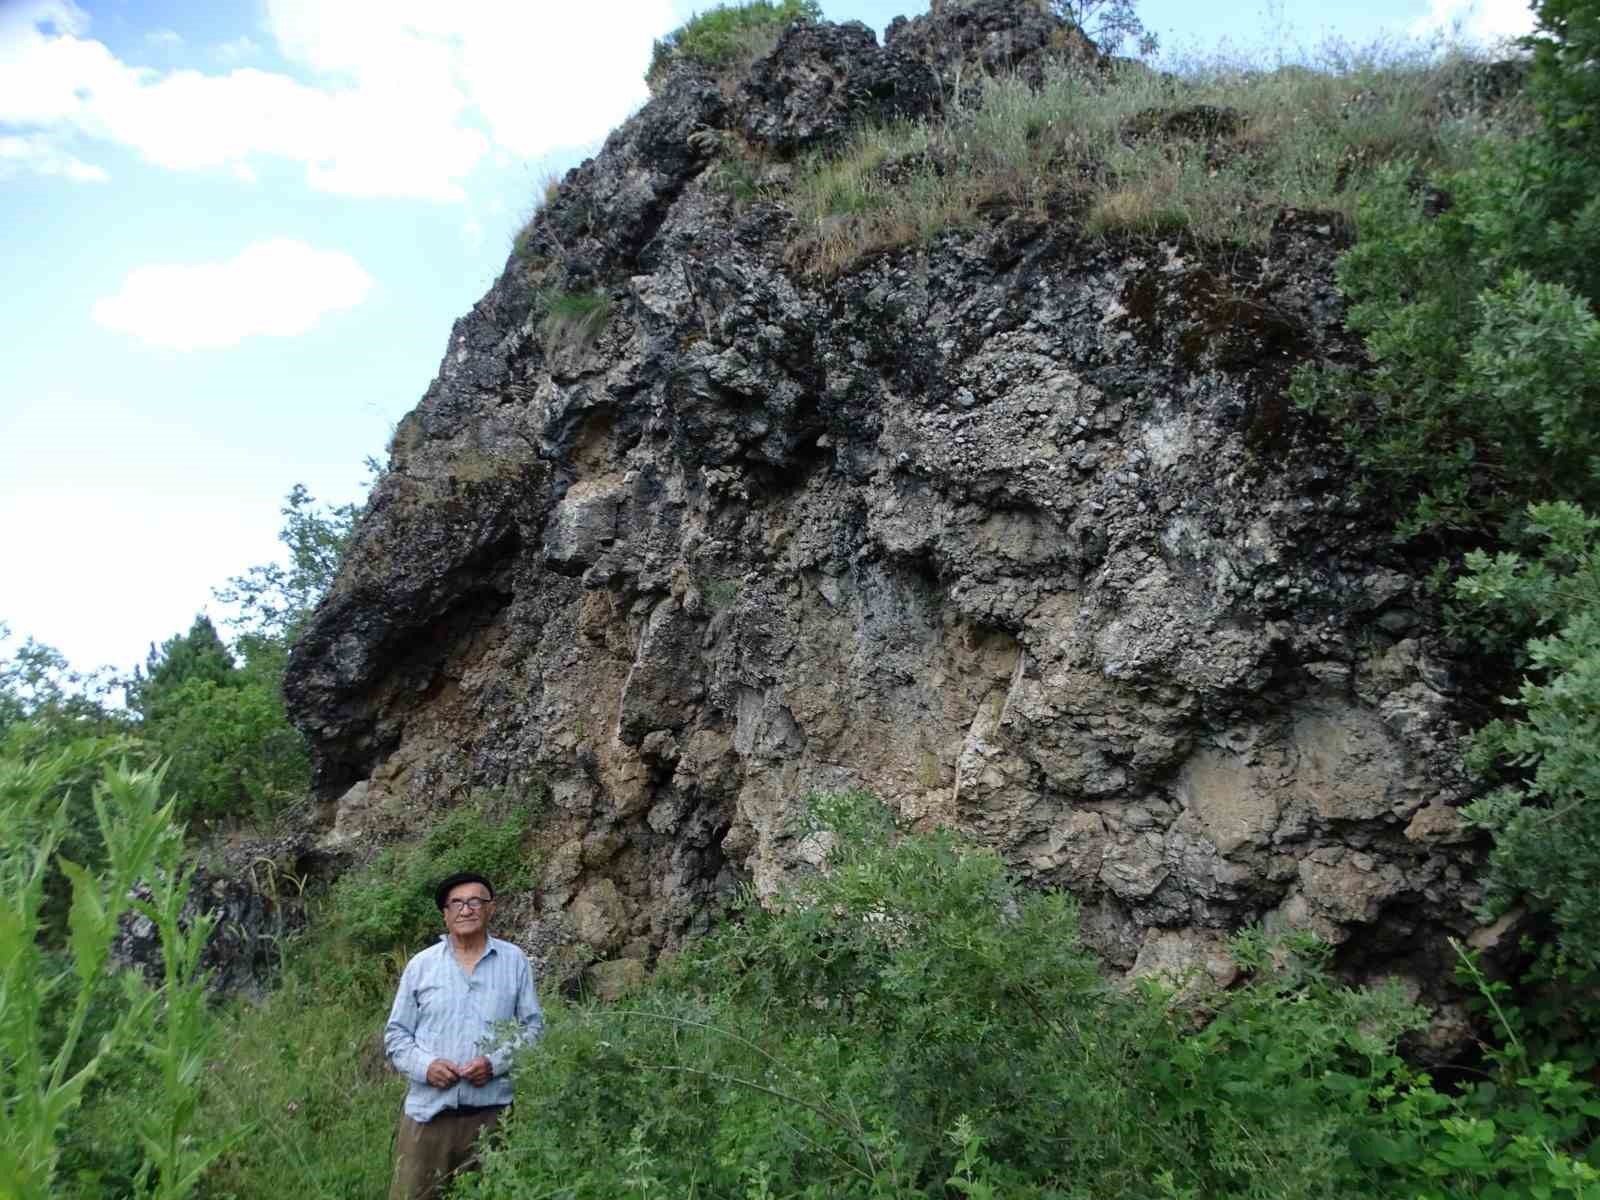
(234,236)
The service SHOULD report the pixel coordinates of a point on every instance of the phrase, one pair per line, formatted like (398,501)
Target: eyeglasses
(470,904)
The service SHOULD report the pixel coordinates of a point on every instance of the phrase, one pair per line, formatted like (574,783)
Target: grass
(573,319)
(726,39)
(302,1077)
(1216,148)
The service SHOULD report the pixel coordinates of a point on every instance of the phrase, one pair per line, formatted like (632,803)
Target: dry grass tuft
(1215,149)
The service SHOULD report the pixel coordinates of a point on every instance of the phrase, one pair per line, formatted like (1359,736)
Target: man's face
(467,909)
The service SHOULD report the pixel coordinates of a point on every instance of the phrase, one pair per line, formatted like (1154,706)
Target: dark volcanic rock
(823,79)
(254,899)
(1014,528)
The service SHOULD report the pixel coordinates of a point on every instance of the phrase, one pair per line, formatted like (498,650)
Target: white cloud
(42,157)
(167,39)
(1476,20)
(388,98)
(278,288)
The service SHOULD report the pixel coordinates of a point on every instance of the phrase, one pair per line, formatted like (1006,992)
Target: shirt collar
(488,947)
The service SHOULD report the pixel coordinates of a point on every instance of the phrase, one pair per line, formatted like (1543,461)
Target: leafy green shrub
(1547,821)
(389,905)
(727,37)
(232,752)
(908,1022)
(1477,423)
(1484,389)
(48,1001)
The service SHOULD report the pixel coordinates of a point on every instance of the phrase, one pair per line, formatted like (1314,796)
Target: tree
(39,688)
(196,655)
(1566,70)
(1107,23)
(274,600)
(217,718)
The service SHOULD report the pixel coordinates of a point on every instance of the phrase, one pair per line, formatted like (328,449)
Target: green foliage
(222,729)
(232,752)
(300,1094)
(275,601)
(221,724)
(1546,821)
(39,688)
(389,905)
(1477,424)
(198,655)
(727,37)
(908,1022)
(1484,392)
(47,999)
(1566,82)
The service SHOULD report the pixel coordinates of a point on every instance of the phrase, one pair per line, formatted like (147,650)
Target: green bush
(1477,424)
(231,751)
(728,36)
(60,1022)
(1546,822)
(389,905)
(908,1022)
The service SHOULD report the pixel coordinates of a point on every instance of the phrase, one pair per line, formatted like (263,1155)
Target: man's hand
(442,1072)
(478,1071)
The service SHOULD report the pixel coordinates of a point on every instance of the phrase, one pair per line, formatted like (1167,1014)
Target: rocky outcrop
(1015,529)
(253,895)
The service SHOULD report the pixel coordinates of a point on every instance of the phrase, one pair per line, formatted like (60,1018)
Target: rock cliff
(1014,528)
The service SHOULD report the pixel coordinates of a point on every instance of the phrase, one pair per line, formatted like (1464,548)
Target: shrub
(727,38)
(1546,822)
(389,905)
(907,1022)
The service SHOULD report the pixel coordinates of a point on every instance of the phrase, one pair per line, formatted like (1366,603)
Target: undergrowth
(908,1022)
(390,904)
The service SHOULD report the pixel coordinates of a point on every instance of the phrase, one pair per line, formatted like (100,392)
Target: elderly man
(464,1005)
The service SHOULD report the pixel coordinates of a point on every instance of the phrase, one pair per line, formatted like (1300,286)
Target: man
(448,1034)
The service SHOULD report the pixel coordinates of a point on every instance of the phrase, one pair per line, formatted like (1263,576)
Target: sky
(234,236)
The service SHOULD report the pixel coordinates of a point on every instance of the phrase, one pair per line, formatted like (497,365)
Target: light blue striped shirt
(442,1012)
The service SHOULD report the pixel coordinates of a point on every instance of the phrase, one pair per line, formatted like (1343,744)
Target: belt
(470,1110)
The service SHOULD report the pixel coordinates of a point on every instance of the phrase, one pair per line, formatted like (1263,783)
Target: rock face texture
(1015,529)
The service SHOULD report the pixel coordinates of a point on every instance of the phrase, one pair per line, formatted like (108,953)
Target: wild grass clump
(1216,149)
(573,318)
(549,189)
(728,38)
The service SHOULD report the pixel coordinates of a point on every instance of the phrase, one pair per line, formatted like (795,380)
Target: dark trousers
(427,1155)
